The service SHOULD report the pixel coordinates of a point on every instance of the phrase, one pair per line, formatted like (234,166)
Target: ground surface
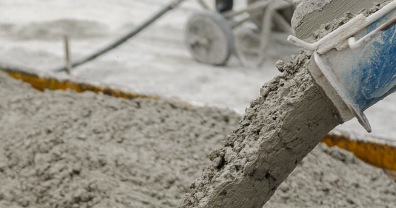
(155,62)
(63,149)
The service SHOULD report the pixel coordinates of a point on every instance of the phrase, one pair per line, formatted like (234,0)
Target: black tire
(224,5)
(209,38)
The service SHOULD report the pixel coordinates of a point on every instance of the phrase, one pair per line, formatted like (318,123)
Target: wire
(124,38)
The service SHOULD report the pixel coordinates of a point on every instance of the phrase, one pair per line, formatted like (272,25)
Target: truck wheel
(209,38)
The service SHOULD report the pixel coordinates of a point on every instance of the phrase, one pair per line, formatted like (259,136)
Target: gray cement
(158,54)
(277,131)
(334,178)
(63,149)
(311,14)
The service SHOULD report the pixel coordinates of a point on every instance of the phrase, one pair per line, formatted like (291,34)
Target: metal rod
(293,1)
(282,23)
(240,22)
(343,33)
(124,38)
(67,54)
(251,7)
(267,27)
(203,4)
(353,43)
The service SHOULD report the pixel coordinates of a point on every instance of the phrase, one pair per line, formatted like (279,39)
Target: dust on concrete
(312,14)
(62,149)
(231,181)
(332,25)
(277,131)
(55,29)
(331,177)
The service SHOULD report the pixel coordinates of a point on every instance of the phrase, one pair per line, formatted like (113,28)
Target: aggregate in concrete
(63,149)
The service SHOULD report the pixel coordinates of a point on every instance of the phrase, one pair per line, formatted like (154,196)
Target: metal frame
(333,77)
(342,36)
(269,8)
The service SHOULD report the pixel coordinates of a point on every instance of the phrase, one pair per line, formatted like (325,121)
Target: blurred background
(154,62)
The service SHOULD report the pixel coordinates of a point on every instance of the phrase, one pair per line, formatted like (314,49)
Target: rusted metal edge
(42,81)
(378,152)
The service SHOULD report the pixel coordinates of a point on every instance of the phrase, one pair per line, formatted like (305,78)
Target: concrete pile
(64,149)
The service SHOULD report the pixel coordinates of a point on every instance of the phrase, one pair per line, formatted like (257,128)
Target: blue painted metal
(367,74)
(374,74)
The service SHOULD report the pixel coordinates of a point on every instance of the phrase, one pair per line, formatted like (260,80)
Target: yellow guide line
(377,154)
(42,83)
